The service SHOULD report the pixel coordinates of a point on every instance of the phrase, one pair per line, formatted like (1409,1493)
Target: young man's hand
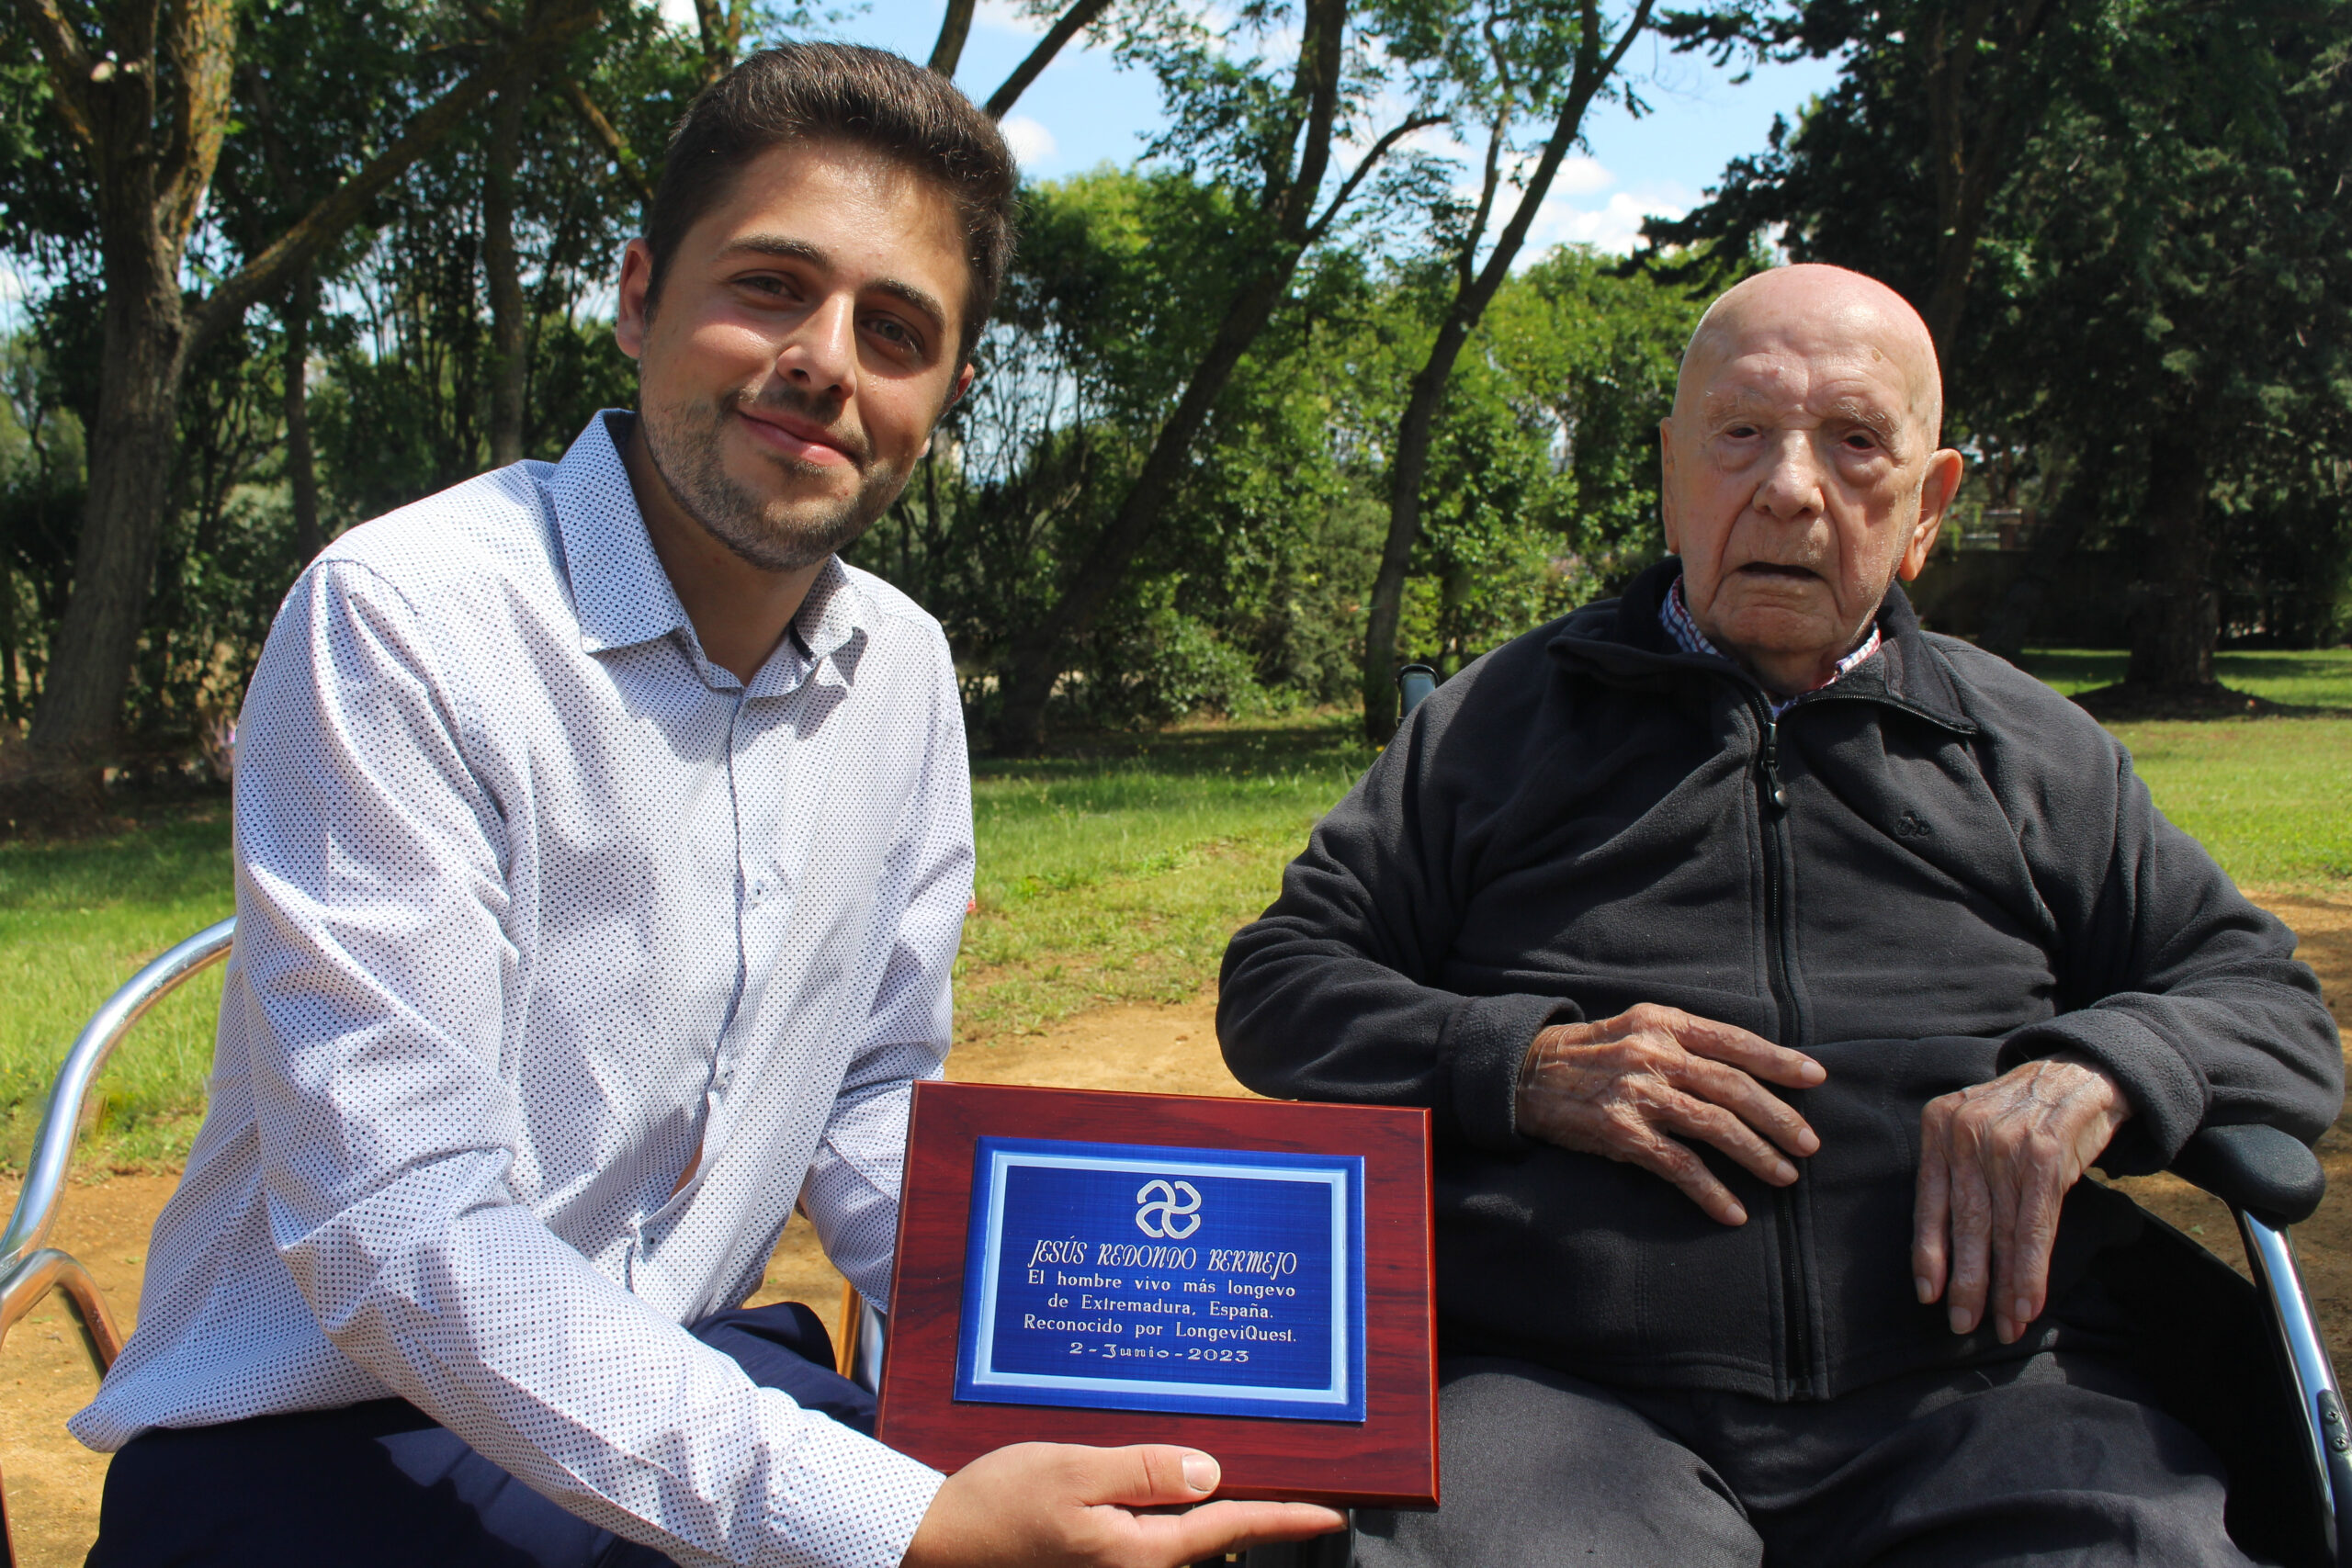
(1049,1504)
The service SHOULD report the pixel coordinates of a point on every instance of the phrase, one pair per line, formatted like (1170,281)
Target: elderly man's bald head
(1802,471)
(1820,305)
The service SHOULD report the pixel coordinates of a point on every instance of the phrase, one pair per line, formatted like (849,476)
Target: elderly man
(1775,970)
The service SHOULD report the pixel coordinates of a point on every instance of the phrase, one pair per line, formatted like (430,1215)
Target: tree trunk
(2178,619)
(953,28)
(1406,469)
(1036,659)
(129,468)
(510,362)
(1071,22)
(1409,467)
(1034,662)
(12,707)
(301,462)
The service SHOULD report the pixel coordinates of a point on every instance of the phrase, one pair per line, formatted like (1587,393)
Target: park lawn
(1112,874)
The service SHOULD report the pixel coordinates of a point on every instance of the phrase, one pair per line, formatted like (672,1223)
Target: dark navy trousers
(379,1485)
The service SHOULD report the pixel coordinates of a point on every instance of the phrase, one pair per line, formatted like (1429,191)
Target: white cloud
(678,13)
(1580,175)
(1031,142)
(1615,226)
(12,285)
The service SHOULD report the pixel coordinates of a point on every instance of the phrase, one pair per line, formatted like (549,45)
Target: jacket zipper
(1796,1294)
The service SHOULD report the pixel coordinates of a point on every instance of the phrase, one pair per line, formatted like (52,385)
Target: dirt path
(53,1485)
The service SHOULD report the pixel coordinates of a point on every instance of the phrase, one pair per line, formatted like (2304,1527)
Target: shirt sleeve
(852,1190)
(371,938)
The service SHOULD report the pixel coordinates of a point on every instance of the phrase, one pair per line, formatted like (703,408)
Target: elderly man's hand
(1634,1086)
(1995,1161)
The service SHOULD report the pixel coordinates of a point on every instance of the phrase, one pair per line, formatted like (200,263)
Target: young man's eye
(893,332)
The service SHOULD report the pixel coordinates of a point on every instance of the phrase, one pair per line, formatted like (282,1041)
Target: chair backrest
(1414,682)
(52,1153)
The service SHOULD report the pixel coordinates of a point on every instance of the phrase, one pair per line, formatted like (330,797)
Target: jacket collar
(1621,640)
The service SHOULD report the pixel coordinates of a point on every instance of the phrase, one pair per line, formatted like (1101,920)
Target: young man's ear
(632,313)
(963,385)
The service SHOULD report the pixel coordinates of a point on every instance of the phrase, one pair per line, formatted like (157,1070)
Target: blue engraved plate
(1128,1277)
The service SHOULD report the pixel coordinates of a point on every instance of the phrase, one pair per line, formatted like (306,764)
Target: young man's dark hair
(836,92)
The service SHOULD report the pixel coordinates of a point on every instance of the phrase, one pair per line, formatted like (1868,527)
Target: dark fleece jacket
(1922,875)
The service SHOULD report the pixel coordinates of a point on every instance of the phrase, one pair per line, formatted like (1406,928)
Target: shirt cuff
(848,1502)
(1484,1045)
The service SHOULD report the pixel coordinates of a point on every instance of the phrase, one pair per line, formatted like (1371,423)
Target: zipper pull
(1773,788)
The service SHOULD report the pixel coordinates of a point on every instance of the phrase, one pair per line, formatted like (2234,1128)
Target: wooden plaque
(1317,1449)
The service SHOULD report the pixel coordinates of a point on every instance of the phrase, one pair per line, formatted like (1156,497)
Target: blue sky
(1084,111)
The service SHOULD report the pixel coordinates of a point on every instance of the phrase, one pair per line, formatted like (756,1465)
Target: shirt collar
(619,591)
(1674,615)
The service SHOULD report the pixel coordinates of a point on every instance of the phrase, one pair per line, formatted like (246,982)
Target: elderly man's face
(1801,473)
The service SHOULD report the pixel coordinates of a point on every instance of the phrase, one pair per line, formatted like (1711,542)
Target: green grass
(1118,877)
(2270,798)
(2319,679)
(75,921)
(1114,875)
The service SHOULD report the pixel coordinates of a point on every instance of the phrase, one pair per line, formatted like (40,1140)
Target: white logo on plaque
(1173,1214)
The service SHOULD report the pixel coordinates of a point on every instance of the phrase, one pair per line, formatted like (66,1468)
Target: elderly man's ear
(1936,494)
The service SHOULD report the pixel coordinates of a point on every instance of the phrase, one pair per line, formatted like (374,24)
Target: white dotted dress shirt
(533,901)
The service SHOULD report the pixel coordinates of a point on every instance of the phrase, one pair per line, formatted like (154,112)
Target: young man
(603,848)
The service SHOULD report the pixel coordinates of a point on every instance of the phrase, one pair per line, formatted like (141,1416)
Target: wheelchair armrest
(2268,1173)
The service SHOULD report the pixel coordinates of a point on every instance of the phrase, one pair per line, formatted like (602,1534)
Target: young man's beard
(684,439)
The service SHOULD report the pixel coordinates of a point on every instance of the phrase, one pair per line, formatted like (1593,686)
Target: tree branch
(203,38)
(605,131)
(318,228)
(1379,151)
(1067,26)
(1322,50)
(70,69)
(953,28)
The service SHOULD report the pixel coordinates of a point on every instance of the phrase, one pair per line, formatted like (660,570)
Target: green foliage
(2156,347)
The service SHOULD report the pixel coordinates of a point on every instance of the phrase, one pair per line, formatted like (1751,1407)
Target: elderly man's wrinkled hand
(1996,1162)
(1634,1086)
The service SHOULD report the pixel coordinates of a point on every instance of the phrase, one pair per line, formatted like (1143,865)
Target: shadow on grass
(1319,741)
(173,857)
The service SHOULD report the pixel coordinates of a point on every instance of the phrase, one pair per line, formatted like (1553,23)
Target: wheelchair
(2267,1399)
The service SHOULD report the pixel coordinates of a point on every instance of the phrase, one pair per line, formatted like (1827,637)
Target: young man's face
(803,346)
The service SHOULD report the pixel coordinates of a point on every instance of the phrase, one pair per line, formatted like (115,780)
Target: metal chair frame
(29,1267)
